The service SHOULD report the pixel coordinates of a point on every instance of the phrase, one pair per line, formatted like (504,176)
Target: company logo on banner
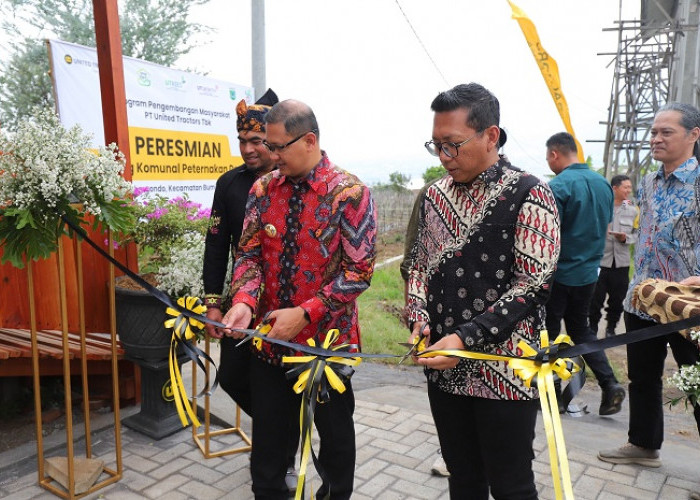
(182,126)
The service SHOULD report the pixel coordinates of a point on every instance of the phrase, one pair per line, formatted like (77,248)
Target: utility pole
(257,15)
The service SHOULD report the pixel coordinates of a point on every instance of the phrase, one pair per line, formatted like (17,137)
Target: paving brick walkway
(396,444)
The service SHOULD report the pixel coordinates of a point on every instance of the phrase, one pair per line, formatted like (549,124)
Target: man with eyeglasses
(585,204)
(438,468)
(484,257)
(309,239)
(228,210)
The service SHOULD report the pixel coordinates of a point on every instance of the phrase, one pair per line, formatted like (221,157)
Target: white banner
(182,126)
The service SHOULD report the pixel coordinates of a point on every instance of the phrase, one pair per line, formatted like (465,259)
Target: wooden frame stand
(203,439)
(64,469)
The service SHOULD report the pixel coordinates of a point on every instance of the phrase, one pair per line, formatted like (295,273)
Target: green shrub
(380,311)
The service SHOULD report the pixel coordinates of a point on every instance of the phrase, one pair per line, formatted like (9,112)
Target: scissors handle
(416,342)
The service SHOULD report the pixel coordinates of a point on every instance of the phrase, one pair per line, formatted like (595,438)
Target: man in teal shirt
(585,203)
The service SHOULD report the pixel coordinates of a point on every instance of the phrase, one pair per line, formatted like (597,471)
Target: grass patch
(379,310)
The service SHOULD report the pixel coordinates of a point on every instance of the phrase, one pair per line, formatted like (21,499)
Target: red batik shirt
(309,244)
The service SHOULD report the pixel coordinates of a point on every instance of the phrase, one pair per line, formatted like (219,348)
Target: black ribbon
(193,352)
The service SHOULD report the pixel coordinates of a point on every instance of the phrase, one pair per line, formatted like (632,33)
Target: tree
(398,183)
(433,173)
(155,30)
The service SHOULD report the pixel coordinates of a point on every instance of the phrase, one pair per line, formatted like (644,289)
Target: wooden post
(112,91)
(111,67)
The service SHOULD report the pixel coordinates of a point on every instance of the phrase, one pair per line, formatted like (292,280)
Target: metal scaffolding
(640,85)
(646,77)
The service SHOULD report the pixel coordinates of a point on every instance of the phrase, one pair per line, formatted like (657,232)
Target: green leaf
(118,216)
(34,243)
(25,218)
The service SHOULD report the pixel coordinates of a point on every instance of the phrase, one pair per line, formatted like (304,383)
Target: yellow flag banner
(548,67)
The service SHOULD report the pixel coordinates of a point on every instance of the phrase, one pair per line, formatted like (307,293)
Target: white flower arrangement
(687,379)
(44,170)
(182,274)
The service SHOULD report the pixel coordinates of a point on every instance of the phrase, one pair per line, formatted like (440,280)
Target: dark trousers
(276,412)
(572,304)
(486,444)
(613,282)
(645,362)
(234,372)
(234,378)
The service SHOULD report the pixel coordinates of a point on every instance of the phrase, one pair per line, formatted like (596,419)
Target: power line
(421,43)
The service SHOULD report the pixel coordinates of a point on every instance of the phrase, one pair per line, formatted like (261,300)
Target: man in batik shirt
(668,248)
(487,246)
(308,238)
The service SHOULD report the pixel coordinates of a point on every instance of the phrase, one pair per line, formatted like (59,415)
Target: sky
(370,80)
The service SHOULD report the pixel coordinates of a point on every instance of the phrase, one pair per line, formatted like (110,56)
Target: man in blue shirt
(668,248)
(585,204)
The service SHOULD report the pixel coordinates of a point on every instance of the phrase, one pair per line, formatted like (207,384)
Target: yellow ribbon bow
(538,368)
(315,372)
(182,326)
(543,372)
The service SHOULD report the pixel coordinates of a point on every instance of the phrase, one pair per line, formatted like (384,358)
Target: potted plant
(170,237)
(50,174)
(48,171)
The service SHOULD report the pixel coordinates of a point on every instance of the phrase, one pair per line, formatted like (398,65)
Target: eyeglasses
(450,149)
(273,148)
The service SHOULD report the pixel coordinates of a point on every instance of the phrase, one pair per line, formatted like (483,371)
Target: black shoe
(609,332)
(611,402)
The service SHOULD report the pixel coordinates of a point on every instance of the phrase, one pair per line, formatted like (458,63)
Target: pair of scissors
(263,327)
(419,343)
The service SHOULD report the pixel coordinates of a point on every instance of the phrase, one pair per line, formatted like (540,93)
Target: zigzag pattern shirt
(668,247)
(309,244)
(482,267)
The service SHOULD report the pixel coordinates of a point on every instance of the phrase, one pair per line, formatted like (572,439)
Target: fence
(393,209)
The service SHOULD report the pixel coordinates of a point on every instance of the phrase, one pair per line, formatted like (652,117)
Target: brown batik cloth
(667,301)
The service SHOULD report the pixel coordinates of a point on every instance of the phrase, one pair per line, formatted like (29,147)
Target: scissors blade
(414,346)
(244,340)
(410,351)
(265,321)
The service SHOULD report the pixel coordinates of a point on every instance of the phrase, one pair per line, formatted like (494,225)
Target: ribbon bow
(540,366)
(184,326)
(180,322)
(541,370)
(528,369)
(315,376)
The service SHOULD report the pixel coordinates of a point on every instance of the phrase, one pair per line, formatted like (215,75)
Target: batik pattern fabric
(482,267)
(310,243)
(668,247)
(667,301)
